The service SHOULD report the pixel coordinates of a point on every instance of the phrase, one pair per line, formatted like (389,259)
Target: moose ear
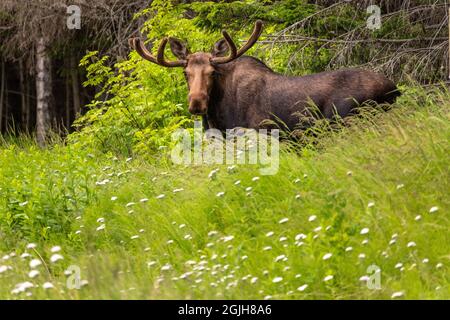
(220,48)
(178,48)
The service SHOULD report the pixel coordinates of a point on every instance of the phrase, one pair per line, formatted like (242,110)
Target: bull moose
(241,91)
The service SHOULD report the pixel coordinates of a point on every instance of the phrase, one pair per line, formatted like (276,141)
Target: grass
(379,187)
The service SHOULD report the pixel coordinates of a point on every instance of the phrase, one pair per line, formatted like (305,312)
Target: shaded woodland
(41,83)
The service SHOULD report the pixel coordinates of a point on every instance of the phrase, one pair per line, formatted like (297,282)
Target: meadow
(356,213)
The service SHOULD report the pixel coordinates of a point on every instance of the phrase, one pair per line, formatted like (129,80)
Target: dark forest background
(39,52)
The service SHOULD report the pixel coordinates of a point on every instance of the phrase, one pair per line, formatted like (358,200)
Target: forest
(92,205)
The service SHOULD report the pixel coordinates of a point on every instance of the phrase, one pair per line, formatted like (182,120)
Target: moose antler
(139,46)
(234,53)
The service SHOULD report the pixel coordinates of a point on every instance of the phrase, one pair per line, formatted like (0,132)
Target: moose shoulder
(241,91)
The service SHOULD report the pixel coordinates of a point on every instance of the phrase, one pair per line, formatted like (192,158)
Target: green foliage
(131,243)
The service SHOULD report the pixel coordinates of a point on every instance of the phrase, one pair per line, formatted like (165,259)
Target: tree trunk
(43,91)
(23,97)
(75,86)
(68,103)
(2,92)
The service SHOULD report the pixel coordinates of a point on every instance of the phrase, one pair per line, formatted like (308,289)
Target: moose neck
(225,111)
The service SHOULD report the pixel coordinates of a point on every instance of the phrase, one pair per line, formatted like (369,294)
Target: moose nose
(198,103)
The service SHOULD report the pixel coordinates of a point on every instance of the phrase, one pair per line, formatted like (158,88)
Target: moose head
(199,67)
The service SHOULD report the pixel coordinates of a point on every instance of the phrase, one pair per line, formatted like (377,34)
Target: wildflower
(33,273)
(248,189)
(364,231)
(31,246)
(426,260)
(398,294)
(318,229)
(151,263)
(161,196)
(371,204)
(282,239)
(143,200)
(130,204)
(22,287)
(4,269)
(298,196)
(364,278)
(220,194)
(35,263)
(212,233)
(361,256)
(113,198)
(178,190)
(328,278)
(267,248)
(101,220)
(312,218)
(411,244)
(281,258)
(166,267)
(300,236)
(418,217)
(434,209)
(297,180)
(237,182)
(302,288)
(134,237)
(269,234)
(327,256)
(47,285)
(253,280)
(268,297)
(56,257)
(399,186)
(365,241)
(55,249)
(212,175)
(228,238)
(101,227)
(439,265)
(393,241)
(277,279)
(284,220)
(399,265)
(254,179)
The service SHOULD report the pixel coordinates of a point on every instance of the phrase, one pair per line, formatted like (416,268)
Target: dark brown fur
(245,92)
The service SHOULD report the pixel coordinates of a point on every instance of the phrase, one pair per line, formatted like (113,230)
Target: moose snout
(198,103)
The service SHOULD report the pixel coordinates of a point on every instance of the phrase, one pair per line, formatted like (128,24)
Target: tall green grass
(374,193)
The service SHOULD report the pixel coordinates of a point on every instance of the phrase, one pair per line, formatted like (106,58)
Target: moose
(234,90)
